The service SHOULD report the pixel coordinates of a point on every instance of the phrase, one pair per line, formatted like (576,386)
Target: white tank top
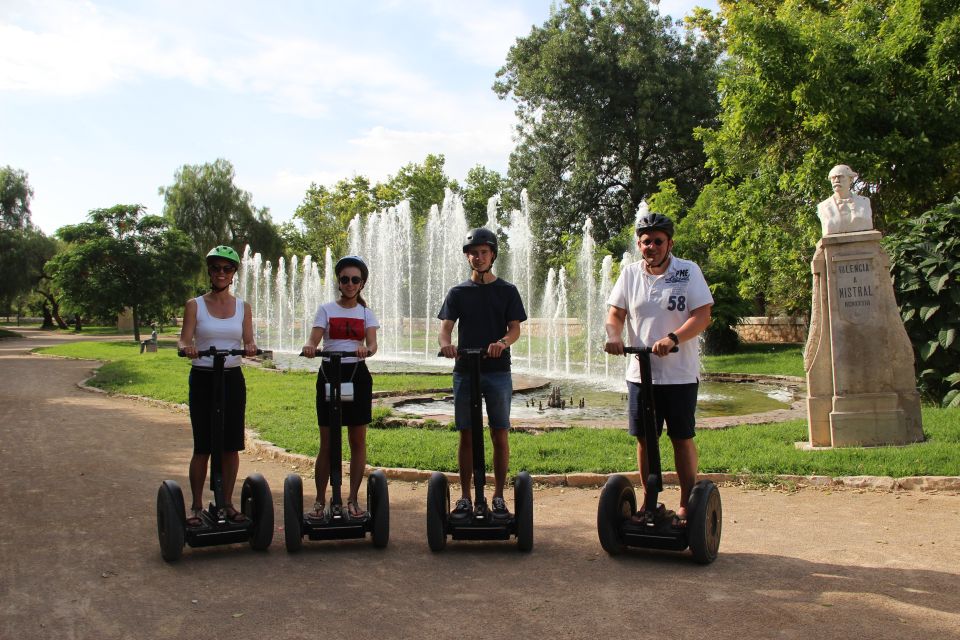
(222,333)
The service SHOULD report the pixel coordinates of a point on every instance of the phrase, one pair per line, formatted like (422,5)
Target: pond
(603,399)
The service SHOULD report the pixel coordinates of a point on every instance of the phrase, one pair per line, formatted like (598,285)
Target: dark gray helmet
(481,235)
(654,222)
(352,261)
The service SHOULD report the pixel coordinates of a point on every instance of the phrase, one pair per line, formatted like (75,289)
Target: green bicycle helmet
(224,252)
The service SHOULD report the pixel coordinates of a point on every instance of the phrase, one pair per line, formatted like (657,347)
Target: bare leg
(198,477)
(501,459)
(357,436)
(465,458)
(685,458)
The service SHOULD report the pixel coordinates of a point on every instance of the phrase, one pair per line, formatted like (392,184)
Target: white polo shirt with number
(656,306)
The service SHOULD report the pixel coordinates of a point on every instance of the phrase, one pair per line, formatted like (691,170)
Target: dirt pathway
(79,556)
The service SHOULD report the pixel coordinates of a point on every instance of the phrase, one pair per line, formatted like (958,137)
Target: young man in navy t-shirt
(489,312)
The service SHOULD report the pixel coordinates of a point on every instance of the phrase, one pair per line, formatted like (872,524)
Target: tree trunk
(136,323)
(47,317)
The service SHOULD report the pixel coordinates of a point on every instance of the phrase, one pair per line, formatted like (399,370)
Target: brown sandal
(356,513)
(319,512)
(195,519)
(233,515)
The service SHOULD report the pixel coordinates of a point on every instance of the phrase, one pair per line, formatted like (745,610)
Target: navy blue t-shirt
(482,312)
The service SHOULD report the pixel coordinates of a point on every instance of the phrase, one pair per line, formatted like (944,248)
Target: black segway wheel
(438,509)
(618,502)
(523,507)
(257,504)
(704,522)
(293,512)
(378,501)
(171,520)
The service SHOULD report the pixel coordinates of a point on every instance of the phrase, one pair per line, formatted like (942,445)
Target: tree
(204,202)
(121,259)
(15,194)
(422,184)
(807,85)
(479,186)
(327,212)
(608,96)
(20,241)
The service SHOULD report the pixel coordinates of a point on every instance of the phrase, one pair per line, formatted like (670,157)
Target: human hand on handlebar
(495,349)
(189,351)
(250,349)
(449,351)
(363,351)
(663,346)
(308,351)
(614,347)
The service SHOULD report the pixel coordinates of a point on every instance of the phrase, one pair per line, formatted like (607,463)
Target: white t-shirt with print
(344,329)
(656,306)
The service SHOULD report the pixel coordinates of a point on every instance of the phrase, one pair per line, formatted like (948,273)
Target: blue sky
(102,101)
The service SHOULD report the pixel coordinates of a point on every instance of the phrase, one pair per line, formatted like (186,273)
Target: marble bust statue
(844,211)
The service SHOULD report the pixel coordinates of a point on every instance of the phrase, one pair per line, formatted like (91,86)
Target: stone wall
(772,329)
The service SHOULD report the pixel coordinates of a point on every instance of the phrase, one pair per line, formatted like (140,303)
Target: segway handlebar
(332,354)
(213,351)
(627,350)
(464,351)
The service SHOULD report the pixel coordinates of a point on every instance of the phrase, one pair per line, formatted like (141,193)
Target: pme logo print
(346,329)
(680,275)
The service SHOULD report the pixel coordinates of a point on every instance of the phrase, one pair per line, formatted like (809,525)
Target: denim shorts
(675,403)
(497,391)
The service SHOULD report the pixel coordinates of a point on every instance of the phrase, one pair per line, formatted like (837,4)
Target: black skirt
(359,410)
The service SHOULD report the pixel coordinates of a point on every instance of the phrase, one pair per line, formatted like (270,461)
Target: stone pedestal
(861,385)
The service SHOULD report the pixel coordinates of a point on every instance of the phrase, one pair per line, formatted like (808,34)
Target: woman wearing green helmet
(219,319)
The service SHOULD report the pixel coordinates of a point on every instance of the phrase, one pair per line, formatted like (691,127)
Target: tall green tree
(608,95)
(204,203)
(807,85)
(479,186)
(20,241)
(326,213)
(122,258)
(423,184)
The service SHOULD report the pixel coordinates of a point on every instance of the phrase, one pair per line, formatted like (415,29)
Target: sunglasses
(221,268)
(349,279)
(648,242)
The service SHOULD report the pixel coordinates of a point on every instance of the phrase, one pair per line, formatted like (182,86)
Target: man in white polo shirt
(664,302)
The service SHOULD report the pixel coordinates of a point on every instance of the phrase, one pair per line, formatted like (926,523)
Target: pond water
(715,399)
(603,399)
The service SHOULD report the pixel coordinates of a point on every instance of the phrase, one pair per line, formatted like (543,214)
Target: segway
(256,501)
(337,524)
(481,525)
(616,525)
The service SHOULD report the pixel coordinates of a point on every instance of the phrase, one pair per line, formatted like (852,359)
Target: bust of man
(844,211)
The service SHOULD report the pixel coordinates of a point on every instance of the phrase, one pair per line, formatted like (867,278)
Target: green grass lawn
(767,359)
(280,407)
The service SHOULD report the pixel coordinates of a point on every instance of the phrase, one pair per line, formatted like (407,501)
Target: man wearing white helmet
(664,302)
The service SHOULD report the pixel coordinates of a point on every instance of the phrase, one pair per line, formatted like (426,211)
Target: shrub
(924,264)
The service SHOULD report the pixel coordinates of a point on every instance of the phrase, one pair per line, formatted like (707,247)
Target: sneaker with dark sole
(462,510)
(500,511)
